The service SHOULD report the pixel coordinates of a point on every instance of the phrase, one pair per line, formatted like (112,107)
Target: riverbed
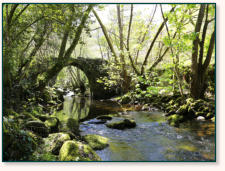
(153,139)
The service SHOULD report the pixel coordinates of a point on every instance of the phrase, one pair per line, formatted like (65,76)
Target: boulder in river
(38,128)
(96,142)
(123,124)
(104,117)
(77,151)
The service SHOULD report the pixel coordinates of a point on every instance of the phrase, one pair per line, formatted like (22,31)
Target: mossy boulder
(96,142)
(77,151)
(175,119)
(183,109)
(123,124)
(54,142)
(52,123)
(38,128)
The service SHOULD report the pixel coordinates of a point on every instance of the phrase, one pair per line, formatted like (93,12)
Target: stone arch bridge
(94,69)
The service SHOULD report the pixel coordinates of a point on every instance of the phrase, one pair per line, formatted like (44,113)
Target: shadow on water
(77,109)
(151,140)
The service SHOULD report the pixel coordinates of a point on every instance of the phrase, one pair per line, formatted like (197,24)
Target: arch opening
(73,80)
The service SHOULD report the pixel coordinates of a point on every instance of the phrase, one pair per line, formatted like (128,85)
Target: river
(153,139)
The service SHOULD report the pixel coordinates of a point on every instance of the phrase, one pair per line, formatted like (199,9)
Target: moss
(175,119)
(76,151)
(38,128)
(200,114)
(54,142)
(52,123)
(123,124)
(28,115)
(183,109)
(96,142)
(46,157)
(188,148)
(209,115)
(11,113)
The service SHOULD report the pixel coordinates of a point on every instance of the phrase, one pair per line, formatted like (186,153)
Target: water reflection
(152,140)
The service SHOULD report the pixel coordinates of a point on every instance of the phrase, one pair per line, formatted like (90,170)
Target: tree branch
(106,35)
(153,42)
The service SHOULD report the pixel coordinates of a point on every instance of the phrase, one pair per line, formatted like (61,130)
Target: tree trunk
(125,81)
(198,83)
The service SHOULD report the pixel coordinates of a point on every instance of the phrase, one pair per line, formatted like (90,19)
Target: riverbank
(177,108)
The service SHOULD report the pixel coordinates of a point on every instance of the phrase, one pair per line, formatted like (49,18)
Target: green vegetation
(96,142)
(152,57)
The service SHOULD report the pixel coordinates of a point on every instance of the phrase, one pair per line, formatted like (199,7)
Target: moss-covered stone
(76,151)
(96,142)
(123,124)
(54,142)
(52,123)
(37,127)
(183,109)
(27,116)
(175,119)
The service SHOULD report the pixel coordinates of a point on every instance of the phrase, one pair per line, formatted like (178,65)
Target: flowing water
(151,140)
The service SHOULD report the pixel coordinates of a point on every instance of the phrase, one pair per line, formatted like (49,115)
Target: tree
(64,55)
(198,66)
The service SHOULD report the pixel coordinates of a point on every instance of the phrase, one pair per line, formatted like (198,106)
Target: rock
(97,122)
(52,123)
(145,107)
(182,110)
(38,128)
(104,117)
(42,117)
(96,142)
(54,142)
(200,118)
(76,151)
(123,124)
(175,119)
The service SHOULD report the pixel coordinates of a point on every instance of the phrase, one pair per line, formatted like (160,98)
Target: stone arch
(93,69)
